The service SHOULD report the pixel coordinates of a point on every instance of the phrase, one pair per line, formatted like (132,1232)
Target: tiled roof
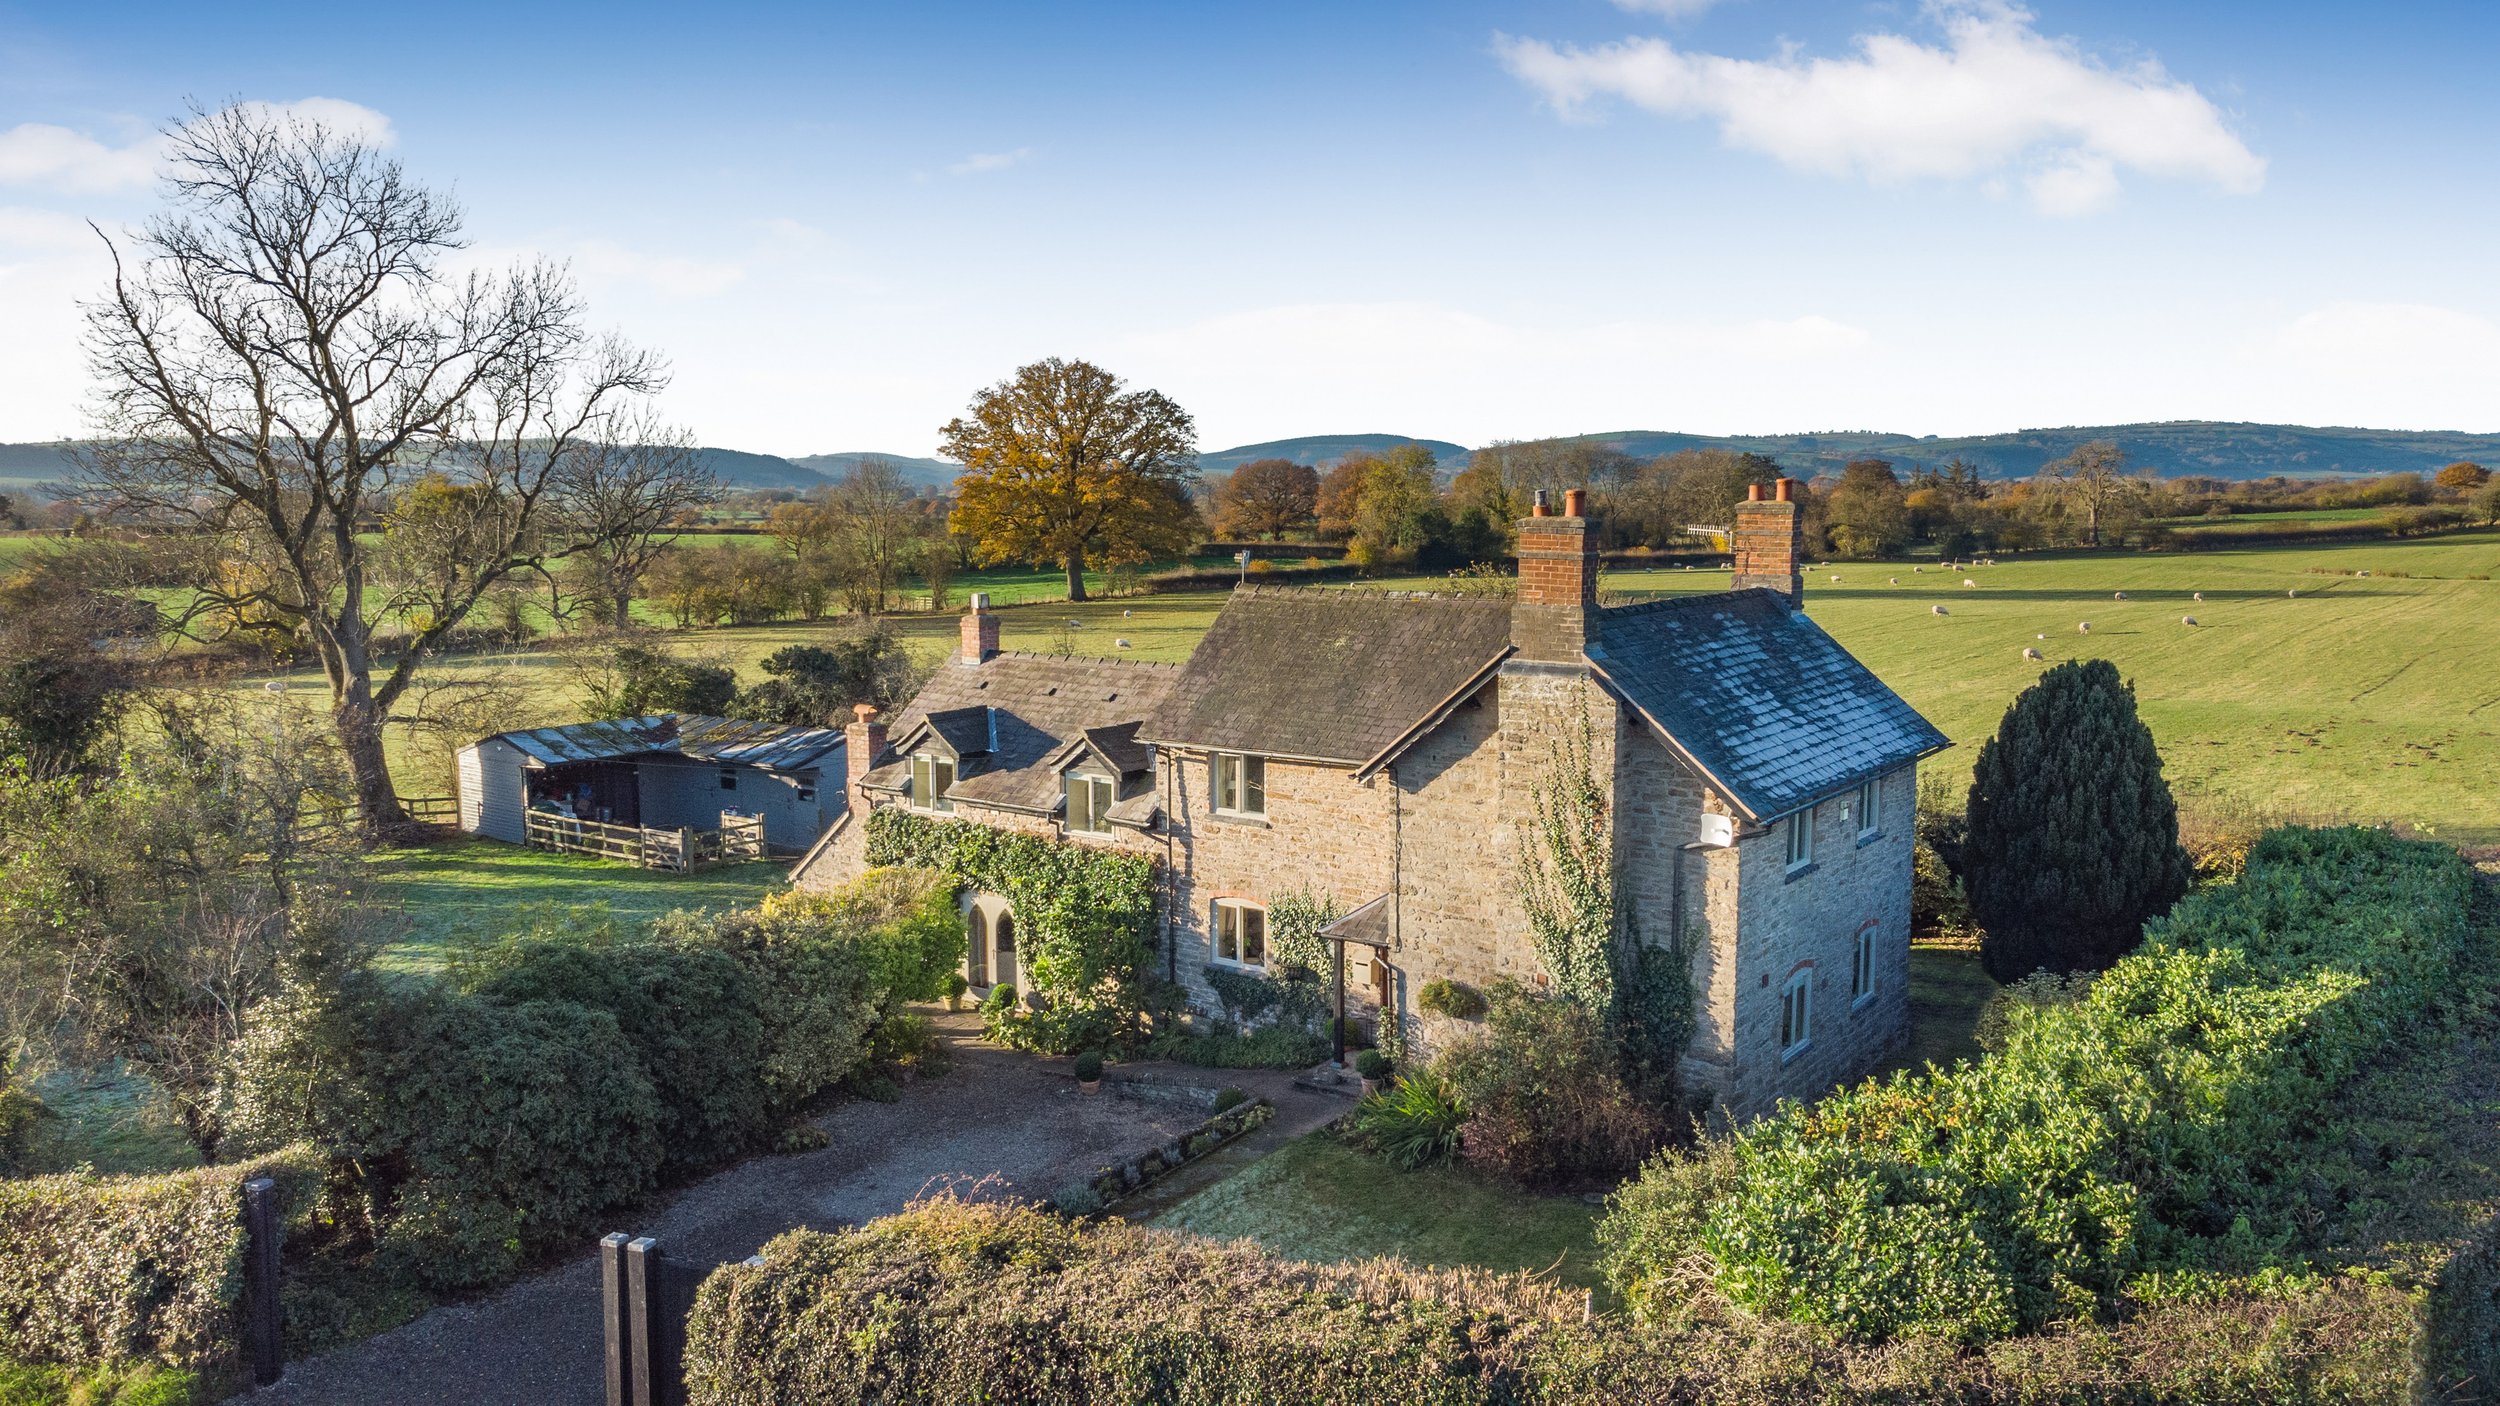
(1772,709)
(776,746)
(1327,675)
(1036,704)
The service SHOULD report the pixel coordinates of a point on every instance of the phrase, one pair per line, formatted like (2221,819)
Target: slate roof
(774,746)
(1034,705)
(1770,707)
(1325,675)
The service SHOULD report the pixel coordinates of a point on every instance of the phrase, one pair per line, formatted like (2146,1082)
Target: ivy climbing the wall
(1084,918)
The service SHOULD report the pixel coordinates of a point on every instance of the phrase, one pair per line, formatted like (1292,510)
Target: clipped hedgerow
(96,1269)
(2142,1128)
(956,1301)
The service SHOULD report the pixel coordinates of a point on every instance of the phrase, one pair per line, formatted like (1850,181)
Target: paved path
(996,1112)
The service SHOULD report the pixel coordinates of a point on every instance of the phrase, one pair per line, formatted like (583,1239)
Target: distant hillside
(1327,448)
(25,465)
(2219,448)
(919,473)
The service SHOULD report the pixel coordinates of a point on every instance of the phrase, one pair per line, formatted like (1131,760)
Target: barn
(667,772)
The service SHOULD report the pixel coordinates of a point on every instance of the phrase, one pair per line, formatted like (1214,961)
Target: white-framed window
(1800,839)
(1240,784)
(1797,1013)
(1089,804)
(1870,808)
(931,777)
(1240,933)
(1862,967)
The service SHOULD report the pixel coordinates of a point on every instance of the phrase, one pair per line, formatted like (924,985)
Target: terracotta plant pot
(1370,1087)
(1090,1086)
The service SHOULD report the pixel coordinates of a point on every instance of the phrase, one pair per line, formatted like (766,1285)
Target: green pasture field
(2370,698)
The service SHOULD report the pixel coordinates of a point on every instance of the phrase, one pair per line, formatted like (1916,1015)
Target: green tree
(1268,498)
(1400,510)
(1062,462)
(2074,838)
(816,685)
(1869,513)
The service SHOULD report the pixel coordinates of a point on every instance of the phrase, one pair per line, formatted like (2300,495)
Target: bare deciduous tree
(288,364)
(2094,478)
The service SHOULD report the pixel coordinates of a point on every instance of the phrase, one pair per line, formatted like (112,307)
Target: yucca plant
(1413,1123)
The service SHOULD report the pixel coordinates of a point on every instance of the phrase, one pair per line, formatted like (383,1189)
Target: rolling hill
(25,466)
(919,473)
(1327,448)
(2222,449)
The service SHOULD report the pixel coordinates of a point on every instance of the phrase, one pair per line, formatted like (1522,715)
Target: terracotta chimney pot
(1575,502)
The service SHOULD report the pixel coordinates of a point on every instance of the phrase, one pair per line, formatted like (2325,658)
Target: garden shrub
(904,919)
(817,984)
(692,1016)
(1543,1102)
(1268,1047)
(2139,1129)
(1414,1123)
(1371,1064)
(504,1130)
(956,1301)
(1089,1066)
(104,1269)
(1454,999)
(20,1110)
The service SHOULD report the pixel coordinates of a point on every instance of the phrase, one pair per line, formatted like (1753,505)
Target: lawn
(1317,1199)
(437,894)
(1947,988)
(109,1120)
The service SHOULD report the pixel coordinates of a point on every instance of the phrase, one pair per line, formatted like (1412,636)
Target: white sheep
(2041,636)
(2293,592)
(1940,610)
(1918,568)
(2200,596)
(1119,644)
(2030,653)
(2188,620)
(1835,575)
(2085,628)
(1970,583)
(1896,580)
(1126,614)
(2120,595)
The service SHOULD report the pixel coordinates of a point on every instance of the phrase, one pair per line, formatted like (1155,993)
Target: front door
(1005,949)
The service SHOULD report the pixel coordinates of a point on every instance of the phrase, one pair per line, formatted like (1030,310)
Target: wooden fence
(644,1298)
(739,839)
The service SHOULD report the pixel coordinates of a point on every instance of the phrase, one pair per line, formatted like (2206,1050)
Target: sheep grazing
(1835,576)
(2084,629)
(1126,614)
(1896,580)
(2120,595)
(2200,596)
(1918,568)
(1119,644)
(1940,610)
(2041,636)
(2030,653)
(2293,592)
(1970,583)
(2188,620)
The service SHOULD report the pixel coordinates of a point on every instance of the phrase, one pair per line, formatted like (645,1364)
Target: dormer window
(931,777)
(1089,804)
(1240,784)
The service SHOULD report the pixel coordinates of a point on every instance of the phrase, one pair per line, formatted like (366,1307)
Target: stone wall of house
(1679,897)
(1811,921)
(1456,918)
(1325,834)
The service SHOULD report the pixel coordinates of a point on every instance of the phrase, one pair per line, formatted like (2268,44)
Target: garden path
(996,1113)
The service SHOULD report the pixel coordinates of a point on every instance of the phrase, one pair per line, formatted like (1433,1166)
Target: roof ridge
(1685,602)
(1083,659)
(1369,593)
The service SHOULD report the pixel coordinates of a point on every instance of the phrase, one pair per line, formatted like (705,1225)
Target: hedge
(954,1301)
(100,1269)
(2155,1126)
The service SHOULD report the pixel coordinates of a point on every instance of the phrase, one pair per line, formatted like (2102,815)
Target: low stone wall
(1128,1177)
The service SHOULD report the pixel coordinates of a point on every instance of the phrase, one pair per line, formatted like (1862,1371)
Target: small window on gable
(1862,967)
(1797,1013)
(1089,804)
(1870,799)
(1800,829)
(728,779)
(1240,784)
(1240,933)
(931,777)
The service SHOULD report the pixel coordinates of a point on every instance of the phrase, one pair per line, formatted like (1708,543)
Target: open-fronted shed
(669,771)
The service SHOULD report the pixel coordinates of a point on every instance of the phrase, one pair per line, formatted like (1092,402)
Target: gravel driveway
(995,1113)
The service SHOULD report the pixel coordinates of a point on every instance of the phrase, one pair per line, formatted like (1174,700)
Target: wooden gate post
(613,1316)
(642,1309)
(262,1337)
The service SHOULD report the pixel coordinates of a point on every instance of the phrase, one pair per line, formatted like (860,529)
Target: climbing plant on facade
(1084,917)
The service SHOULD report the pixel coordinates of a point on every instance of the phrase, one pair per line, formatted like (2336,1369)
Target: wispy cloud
(1995,99)
(983,162)
(41,154)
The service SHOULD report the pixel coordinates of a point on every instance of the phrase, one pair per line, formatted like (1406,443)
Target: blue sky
(1467,220)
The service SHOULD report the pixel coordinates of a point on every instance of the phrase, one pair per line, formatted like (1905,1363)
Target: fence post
(642,1293)
(614,1318)
(262,1339)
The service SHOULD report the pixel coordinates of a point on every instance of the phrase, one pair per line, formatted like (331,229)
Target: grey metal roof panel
(1773,710)
(775,746)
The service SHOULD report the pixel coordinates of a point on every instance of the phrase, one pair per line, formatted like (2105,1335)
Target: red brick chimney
(1770,541)
(980,630)
(863,739)
(1557,580)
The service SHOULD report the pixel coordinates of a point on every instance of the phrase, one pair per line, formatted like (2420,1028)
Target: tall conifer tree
(2074,837)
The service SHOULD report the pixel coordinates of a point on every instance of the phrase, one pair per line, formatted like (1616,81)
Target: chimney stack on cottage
(1557,580)
(863,739)
(1770,541)
(980,630)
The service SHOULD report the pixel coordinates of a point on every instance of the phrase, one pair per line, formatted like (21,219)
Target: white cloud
(2392,342)
(676,275)
(1995,98)
(338,115)
(984,162)
(40,154)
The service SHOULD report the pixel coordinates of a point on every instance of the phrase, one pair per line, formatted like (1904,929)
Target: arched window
(978,971)
(1006,928)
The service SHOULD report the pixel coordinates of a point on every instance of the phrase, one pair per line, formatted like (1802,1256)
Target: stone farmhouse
(1381,750)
